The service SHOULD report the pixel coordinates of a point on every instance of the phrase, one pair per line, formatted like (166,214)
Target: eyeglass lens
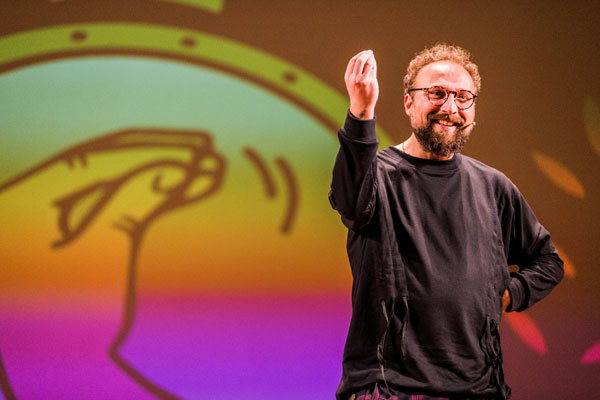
(438,95)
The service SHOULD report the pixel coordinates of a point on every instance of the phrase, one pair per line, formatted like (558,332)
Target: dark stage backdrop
(165,228)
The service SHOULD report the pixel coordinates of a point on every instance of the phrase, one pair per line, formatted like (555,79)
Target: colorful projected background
(163,190)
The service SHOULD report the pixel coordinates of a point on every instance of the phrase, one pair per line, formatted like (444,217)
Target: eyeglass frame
(448,91)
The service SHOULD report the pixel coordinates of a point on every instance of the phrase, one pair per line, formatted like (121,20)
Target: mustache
(455,119)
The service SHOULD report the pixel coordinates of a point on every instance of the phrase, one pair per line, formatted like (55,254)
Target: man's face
(441,129)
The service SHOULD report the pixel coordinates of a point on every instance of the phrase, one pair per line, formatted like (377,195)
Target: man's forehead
(447,73)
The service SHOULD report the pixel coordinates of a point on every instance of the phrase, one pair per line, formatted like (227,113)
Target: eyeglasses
(438,95)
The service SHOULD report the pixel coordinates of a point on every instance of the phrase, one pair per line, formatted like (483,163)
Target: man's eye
(437,93)
(464,96)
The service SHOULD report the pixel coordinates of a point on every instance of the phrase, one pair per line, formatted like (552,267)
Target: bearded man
(431,234)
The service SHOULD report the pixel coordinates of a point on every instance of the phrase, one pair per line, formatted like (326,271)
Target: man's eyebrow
(448,88)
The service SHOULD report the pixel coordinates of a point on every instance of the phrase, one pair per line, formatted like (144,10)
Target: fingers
(374,68)
(362,85)
(361,64)
(350,67)
(370,69)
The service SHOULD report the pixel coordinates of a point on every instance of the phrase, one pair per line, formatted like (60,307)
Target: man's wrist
(359,129)
(362,113)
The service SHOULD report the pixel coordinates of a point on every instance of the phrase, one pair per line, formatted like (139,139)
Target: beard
(436,143)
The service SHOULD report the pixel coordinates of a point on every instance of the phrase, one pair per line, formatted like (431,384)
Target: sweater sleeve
(528,246)
(354,183)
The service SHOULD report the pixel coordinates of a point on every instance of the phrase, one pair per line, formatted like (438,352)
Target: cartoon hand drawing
(177,169)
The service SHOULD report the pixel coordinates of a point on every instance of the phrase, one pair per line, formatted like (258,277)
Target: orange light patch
(569,266)
(560,175)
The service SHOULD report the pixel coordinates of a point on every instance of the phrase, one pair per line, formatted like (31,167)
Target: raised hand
(362,85)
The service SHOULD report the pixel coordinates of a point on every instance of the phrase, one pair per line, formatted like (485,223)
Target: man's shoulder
(390,156)
(490,174)
(474,165)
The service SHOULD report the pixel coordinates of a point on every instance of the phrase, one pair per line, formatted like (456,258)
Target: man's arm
(353,184)
(529,247)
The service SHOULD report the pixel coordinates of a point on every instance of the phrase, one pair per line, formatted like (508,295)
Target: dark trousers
(377,392)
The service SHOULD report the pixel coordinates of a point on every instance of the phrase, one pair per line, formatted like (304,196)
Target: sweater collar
(427,165)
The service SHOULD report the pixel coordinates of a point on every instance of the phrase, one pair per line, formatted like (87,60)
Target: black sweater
(429,243)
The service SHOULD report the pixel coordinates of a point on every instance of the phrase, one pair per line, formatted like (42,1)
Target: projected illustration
(204,165)
(196,178)
(168,207)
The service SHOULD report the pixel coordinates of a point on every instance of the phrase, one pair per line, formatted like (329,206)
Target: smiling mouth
(446,123)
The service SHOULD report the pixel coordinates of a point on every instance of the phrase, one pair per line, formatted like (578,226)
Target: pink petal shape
(592,355)
(560,175)
(527,329)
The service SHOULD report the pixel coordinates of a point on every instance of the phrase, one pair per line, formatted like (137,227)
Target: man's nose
(449,106)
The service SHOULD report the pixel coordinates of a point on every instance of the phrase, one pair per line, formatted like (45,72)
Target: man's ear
(408,101)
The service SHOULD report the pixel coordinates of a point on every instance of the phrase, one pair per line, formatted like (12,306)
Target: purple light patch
(59,350)
(203,347)
(261,347)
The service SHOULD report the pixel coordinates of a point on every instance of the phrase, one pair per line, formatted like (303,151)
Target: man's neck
(412,147)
